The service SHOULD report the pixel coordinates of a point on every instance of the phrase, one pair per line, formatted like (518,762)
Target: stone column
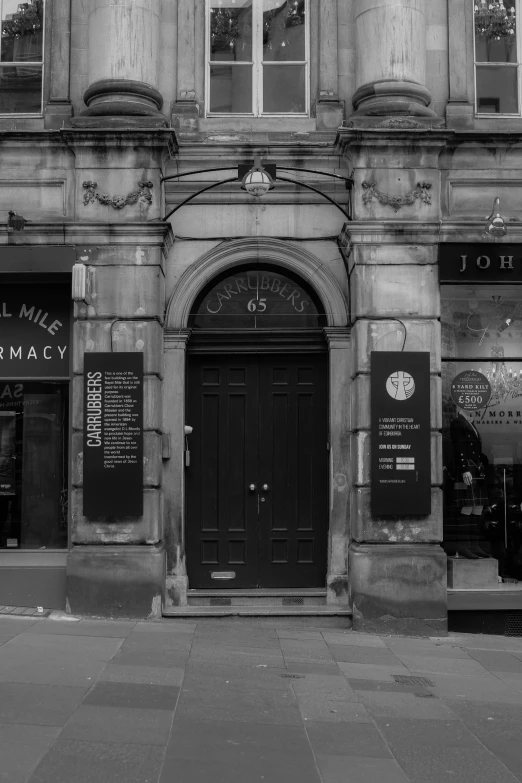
(174,468)
(391,58)
(123,65)
(459,110)
(329,110)
(58,110)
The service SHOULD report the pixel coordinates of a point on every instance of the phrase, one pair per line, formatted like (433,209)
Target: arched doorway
(256,486)
(184,341)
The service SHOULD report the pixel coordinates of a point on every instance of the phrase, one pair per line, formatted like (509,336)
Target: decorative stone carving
(421,193)
(400,123)
(117,202)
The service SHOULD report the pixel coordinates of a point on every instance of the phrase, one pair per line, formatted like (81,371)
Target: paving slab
(117,630)
(405,705)
(290,633)
(449,764)
(429,664)
(425,734)
(145,675)
(239,658)
(412,646)
(319,709)
(306,651)
(117,694)
(497,661)
(450,686)
(165,626)
(78,761)
(55,660)
(208,698)
(17,624)
(365,671)
(22,748)
(357,654)
(258,675)
(40,705)
(386,687)
(324,686)
(354,639)
(119,724)
(481,641)
(235,752)
(346,739)
(324,669)
(356,769)
(512,680)
(149,656)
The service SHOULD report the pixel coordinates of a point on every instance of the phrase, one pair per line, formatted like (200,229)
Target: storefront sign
(487,263)
(34,331)
(400,442)
(113,435)
(470,390)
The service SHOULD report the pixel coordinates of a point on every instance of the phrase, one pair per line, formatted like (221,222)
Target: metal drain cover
(293,676)
(425,695)
(409,679)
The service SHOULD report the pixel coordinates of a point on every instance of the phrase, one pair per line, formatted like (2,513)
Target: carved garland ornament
(421,193)
(117,202)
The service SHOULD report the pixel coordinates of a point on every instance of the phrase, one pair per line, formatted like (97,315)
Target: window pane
(284,89)
(231,30)
(497,89)
(231,89)
(483,517)
(20,89)
(495,32)
(284,29)
(33,465)
(22,31)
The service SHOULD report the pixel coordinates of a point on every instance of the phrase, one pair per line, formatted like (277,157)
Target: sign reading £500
(34,331)
(470,390)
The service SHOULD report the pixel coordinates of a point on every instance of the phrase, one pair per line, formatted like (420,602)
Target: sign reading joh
(480,263)
(400,442)
(34,331)
(113,435)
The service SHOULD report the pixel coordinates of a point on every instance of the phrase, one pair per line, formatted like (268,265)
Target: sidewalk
(246,701)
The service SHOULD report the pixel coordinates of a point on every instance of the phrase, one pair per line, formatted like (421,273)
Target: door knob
(252,487)
(265,487)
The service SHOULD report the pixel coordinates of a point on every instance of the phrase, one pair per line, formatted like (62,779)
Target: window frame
(517,65)
(258,65)
(41,63)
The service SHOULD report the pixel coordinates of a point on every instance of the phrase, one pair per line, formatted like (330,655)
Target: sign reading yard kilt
(113,435)
(400,441)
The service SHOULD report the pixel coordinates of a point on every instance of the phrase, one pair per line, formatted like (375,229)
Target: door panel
(262,420)
(221,530)
(293,462)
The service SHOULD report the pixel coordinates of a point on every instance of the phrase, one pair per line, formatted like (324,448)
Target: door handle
(252,487)
(265,487)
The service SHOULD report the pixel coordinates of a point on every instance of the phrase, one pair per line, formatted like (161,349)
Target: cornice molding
(89,233)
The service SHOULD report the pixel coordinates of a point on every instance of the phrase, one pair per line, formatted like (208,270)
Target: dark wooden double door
(257,482)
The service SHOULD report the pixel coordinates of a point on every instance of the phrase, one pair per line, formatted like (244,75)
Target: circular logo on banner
(470,390)
(400,385)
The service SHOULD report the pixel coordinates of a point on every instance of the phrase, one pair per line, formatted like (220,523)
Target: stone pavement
(239,701)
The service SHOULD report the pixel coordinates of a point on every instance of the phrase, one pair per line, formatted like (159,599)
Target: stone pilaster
(391,59)
(58,109)
(123,65)
(396,565)
(459,109)
(185,112)
(329,109)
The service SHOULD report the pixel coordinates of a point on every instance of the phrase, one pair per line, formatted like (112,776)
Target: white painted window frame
(517,65)
(258,65)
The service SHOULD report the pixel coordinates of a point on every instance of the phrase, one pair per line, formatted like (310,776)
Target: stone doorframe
(225,256)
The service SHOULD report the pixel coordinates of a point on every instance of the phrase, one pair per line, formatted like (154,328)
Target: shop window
(497,56)
(259,298)
(482,430)
(21,57)
(33,465)
(257,57)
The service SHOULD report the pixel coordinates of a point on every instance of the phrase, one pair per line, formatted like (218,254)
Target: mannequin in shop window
(470,496)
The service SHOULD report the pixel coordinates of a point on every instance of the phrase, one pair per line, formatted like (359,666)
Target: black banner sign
(400,443)
(113,435)
(34,331)
(480,263)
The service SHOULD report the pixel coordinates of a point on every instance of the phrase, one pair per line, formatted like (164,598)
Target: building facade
(389,129)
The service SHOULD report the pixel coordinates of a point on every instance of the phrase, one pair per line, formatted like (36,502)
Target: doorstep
(307,602)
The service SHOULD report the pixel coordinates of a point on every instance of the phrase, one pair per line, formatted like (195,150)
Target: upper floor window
(497,57)
(21,56)
(257,57)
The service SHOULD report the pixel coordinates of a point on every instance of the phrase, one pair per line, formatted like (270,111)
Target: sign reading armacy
(470,390)
(400,443)
(113,435)
(34,331)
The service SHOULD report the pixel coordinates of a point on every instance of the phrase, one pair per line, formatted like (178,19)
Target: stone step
(258,597)
(259,610)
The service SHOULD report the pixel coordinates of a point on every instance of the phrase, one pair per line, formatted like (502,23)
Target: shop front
(481,307)
(35,338)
